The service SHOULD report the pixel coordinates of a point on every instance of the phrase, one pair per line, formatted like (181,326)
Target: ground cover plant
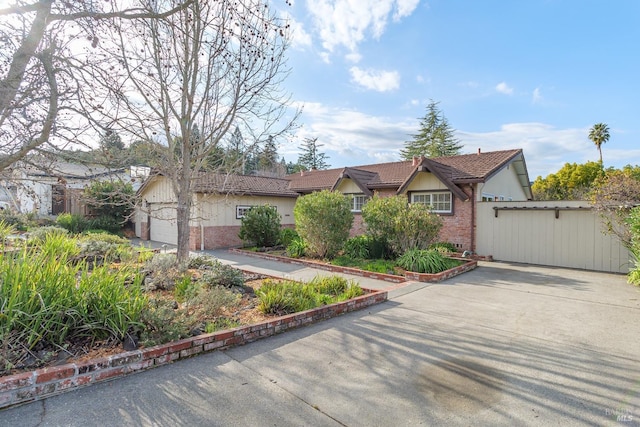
(66,296)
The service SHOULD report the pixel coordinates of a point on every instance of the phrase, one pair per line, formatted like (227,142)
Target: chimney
(301,173)
(416,161)
(478,151)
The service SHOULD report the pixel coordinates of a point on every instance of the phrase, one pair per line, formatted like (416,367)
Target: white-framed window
(358,201)
(439,202)
(241,210)
(486,197)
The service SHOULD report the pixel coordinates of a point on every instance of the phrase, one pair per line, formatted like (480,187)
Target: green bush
(287,297)
(112,199)
(401,225)
(73,223)
(6,230)
(261,226)
(425,261)
(220,274)
(445,247)
(323,220)
(297,248)
(39,234)
(288,235)
(357,247)
(105,222)
(633,221)
(47,300)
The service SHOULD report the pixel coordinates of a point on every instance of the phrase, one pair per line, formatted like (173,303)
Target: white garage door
(163,224)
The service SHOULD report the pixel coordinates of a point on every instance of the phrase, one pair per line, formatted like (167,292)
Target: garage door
(163,225)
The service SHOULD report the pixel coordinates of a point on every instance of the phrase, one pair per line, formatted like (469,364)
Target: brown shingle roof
(465,168)
(476,167)
(243,184)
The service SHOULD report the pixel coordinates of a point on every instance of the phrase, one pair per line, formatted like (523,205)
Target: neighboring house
(57,187)
(452,186)
(219,204)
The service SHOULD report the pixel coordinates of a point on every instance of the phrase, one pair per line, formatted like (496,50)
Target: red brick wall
(358,225)
(457,228)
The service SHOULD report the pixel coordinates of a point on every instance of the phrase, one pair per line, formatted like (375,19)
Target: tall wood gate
(562,234)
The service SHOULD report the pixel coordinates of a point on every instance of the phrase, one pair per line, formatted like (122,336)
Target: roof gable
(452,171)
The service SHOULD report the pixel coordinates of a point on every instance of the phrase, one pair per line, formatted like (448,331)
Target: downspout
(473,220)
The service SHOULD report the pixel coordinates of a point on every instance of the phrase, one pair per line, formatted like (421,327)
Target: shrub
(633,221)
(288,235)
(220,274)
(261,226)
(323,220)
(201,262)
(445,247)
(290,297)
(425,261)
(297,248)
(5,231)
(357,247)
(107,223)
(47,300)
(39,234)
(74,223)
(401,225)
(112,199)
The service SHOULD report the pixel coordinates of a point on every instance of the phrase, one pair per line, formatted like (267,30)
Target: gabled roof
(452,171)
(248,185)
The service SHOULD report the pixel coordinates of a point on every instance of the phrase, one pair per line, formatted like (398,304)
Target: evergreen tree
(436,138)
(268,157)
(311,157)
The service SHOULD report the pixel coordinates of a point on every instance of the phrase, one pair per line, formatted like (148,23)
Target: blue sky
(534,74)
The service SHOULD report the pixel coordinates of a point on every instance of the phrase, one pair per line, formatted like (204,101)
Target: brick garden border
(46,382)
(468,265)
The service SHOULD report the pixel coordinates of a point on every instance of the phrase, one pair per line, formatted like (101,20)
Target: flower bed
(467,265)
(50,381)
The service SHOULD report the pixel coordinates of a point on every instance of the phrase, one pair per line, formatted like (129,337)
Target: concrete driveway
(502,345)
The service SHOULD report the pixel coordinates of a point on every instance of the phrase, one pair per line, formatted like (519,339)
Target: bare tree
(40,67)
(214,66)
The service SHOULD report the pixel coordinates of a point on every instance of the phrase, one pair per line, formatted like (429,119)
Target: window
(358,201)
(439,202)
(241,211)
(488,197)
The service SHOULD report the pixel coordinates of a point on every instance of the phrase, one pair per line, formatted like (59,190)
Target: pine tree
(268,159)
(311,158)
(436,138)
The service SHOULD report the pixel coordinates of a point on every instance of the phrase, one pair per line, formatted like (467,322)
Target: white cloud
(353,57)
(351,137)
(404,8)
(378,80)
(546,148)
(537,96)
(503,87)
(300,39)
(348,23)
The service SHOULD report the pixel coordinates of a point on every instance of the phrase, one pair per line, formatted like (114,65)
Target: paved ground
(501,345)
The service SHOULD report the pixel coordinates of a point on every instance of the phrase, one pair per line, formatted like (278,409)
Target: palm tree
(599,134)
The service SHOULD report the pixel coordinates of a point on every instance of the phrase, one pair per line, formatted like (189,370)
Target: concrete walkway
(502,345)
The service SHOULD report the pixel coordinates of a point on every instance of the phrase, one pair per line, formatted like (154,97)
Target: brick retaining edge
(46,382)
(468,265)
